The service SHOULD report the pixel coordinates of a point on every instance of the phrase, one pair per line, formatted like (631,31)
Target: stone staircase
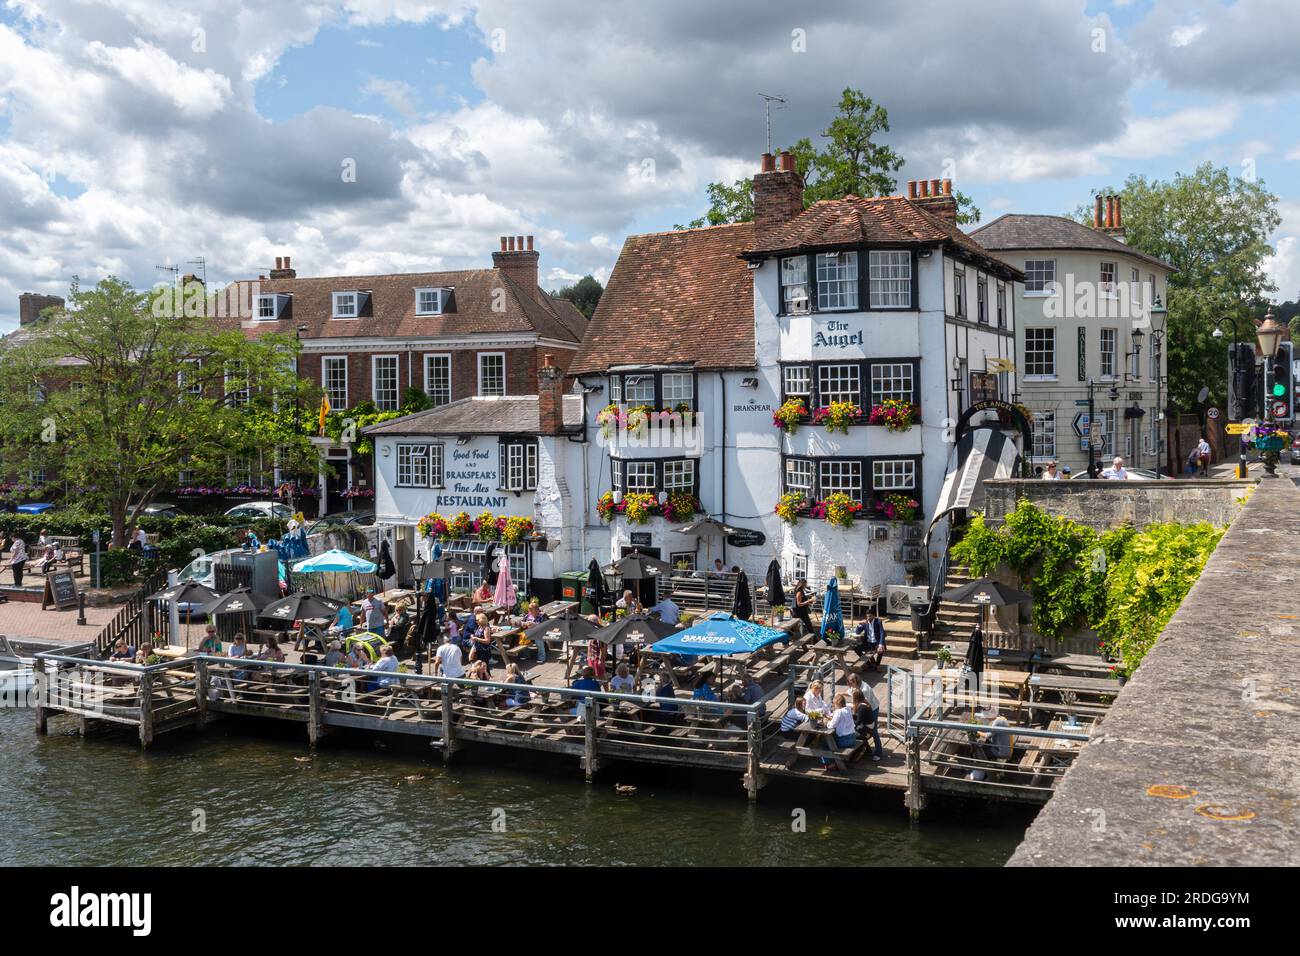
(953,623)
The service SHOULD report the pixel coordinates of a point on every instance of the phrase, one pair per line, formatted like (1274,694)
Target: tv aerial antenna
(768,100)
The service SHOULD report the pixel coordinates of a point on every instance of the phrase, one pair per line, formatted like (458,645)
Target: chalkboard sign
(745,538)
(60,590)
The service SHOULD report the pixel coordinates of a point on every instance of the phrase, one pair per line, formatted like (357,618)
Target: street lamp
(1234,386)
(1269,335)
(297,424)
(1159,317)
(417,572)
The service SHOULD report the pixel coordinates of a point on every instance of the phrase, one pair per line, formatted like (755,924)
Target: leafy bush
(1124,584)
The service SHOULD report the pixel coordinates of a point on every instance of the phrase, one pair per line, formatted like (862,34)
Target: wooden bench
(74,555)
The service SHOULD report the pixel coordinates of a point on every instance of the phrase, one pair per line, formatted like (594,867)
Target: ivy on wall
(1124,584)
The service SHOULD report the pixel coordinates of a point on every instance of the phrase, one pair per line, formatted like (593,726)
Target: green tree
(584,294)
(125,394)
(1213,228)
(850,163)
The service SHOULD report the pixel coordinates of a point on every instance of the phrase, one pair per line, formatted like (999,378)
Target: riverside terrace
(929,724)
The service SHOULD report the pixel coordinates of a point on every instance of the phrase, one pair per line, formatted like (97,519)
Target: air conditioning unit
(913,552)
(898,601)
(879,532)
(912,532)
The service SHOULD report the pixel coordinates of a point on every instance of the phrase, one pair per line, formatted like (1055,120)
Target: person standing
(803,605)
(374,611)
(18,560)
(1203,455)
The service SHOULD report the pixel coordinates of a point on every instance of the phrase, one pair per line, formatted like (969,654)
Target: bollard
(81,608)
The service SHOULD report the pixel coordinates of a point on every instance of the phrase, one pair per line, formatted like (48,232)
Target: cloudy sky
(403,135)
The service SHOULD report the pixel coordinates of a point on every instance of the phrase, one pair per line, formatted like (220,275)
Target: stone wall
(1107,504)
(1196,763)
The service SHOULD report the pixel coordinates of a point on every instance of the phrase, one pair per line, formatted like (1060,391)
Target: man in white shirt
(1203,455)
(387,664)
(447,661)
(1116,470)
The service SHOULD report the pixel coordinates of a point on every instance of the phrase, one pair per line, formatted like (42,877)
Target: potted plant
(778,613)
(943,657)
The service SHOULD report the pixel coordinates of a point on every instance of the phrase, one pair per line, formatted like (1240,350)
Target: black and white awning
(980,454)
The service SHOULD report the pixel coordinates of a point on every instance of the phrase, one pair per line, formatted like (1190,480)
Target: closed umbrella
(832,615)
(385,569)
(190,596)
(505,595)
(775,590)
(743,606)
(489,565)
(596,585)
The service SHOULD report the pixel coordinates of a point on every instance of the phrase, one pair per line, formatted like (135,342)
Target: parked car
(35,507)
(340,519)
(1295,452)
(161,509)
(260,509)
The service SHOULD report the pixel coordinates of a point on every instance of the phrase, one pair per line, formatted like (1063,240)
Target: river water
(245,793)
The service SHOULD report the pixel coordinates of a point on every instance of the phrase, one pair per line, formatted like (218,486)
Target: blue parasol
(832,615)
(335,560)
(720,634)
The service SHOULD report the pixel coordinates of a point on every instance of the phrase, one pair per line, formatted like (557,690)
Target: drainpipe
(722,383)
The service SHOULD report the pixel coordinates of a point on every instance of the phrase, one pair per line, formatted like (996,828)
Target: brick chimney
(517,259)
(283,269)
(550,397)
(935,197)
(778,192)
(32,304)
(1108,216)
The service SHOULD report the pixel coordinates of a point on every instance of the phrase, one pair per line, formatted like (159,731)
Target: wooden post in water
(42,698)
(146,709)
(448,734)
(915,798)
(315,710)
(201,680)
(589,752)
(754,741)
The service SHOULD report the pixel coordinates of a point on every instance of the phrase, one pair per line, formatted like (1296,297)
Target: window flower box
(837,509)
(838,416)
(895,415)
(788,417)
(640,507)
(898,507)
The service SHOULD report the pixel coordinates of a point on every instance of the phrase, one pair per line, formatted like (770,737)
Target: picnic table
(816,740)
(1075,694)
(558,608)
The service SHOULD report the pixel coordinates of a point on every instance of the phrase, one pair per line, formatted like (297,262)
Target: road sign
(1082,402)
(1281,410)
(1080,423)
(1211,413)
(1237,429)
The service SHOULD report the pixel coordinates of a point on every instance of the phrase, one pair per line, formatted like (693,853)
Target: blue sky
(135,133)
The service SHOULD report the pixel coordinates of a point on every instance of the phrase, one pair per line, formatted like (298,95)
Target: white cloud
(1185,35)
(1150,136)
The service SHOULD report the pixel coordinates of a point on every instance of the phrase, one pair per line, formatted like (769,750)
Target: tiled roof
(884,219)
(1018,231)
(392,307)
(504,415)
(681,297)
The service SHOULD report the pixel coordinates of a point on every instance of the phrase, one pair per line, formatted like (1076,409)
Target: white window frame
(958,291)
(1107,356)
(981,299)
(195,390)
(800,474)
(397,382)
(517,465)
(1042,442)
(1040,376)
(1002,305)
(837,281)
(678,387)
(1108,288)
(890,278)
(793,279)
(412,469)
(338,297)
(639,477)
(893,474)
(801,373)
(679,475)
(1135,286)
(261,302)
(428,376)
(241,395)
(437,301)
(637,382)
(325,380)
(479,362)
(889,377)
(1043,282)
(845,478)
(841,394)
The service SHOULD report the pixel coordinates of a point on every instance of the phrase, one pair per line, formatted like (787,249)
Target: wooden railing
(134,622)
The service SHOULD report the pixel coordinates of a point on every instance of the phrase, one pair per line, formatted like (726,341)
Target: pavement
(24,620)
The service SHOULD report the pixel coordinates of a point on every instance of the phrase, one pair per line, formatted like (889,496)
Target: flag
(324,410)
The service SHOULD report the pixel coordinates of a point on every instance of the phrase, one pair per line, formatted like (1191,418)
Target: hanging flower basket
(838,416)
(789,506)
(789,415)
(899,507)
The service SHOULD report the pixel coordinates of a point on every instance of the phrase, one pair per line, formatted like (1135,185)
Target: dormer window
(429,301)
(345,305)
(266,307)
(270,307)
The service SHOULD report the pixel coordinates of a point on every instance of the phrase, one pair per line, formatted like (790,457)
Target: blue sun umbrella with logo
(719,635)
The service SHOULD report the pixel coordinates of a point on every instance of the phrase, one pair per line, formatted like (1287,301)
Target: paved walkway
(25,620)
(1196,763)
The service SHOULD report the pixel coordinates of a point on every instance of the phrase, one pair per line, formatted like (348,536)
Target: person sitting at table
(534,615)
(238,645)
(751,692)
(802,601)
(586,681)
(793,718)
(447,661)
(664,694)
(667,610)
(866,717)
(996,744)
(399,622)
(387,664)
(334,656)
(813,697)
(343,620)
(870,633)
(841,728)
(483,594)
(271,650)
(622,682)
(211,644)
(142,655)
(516,696)
(629,603)
(477,670)
(718,570)
(704,688)
(481,646)
(122,651)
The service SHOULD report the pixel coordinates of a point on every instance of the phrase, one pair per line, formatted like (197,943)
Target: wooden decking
(594,727)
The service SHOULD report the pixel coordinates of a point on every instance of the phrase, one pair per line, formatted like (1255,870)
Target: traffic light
(1279,388)
(1244,392)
